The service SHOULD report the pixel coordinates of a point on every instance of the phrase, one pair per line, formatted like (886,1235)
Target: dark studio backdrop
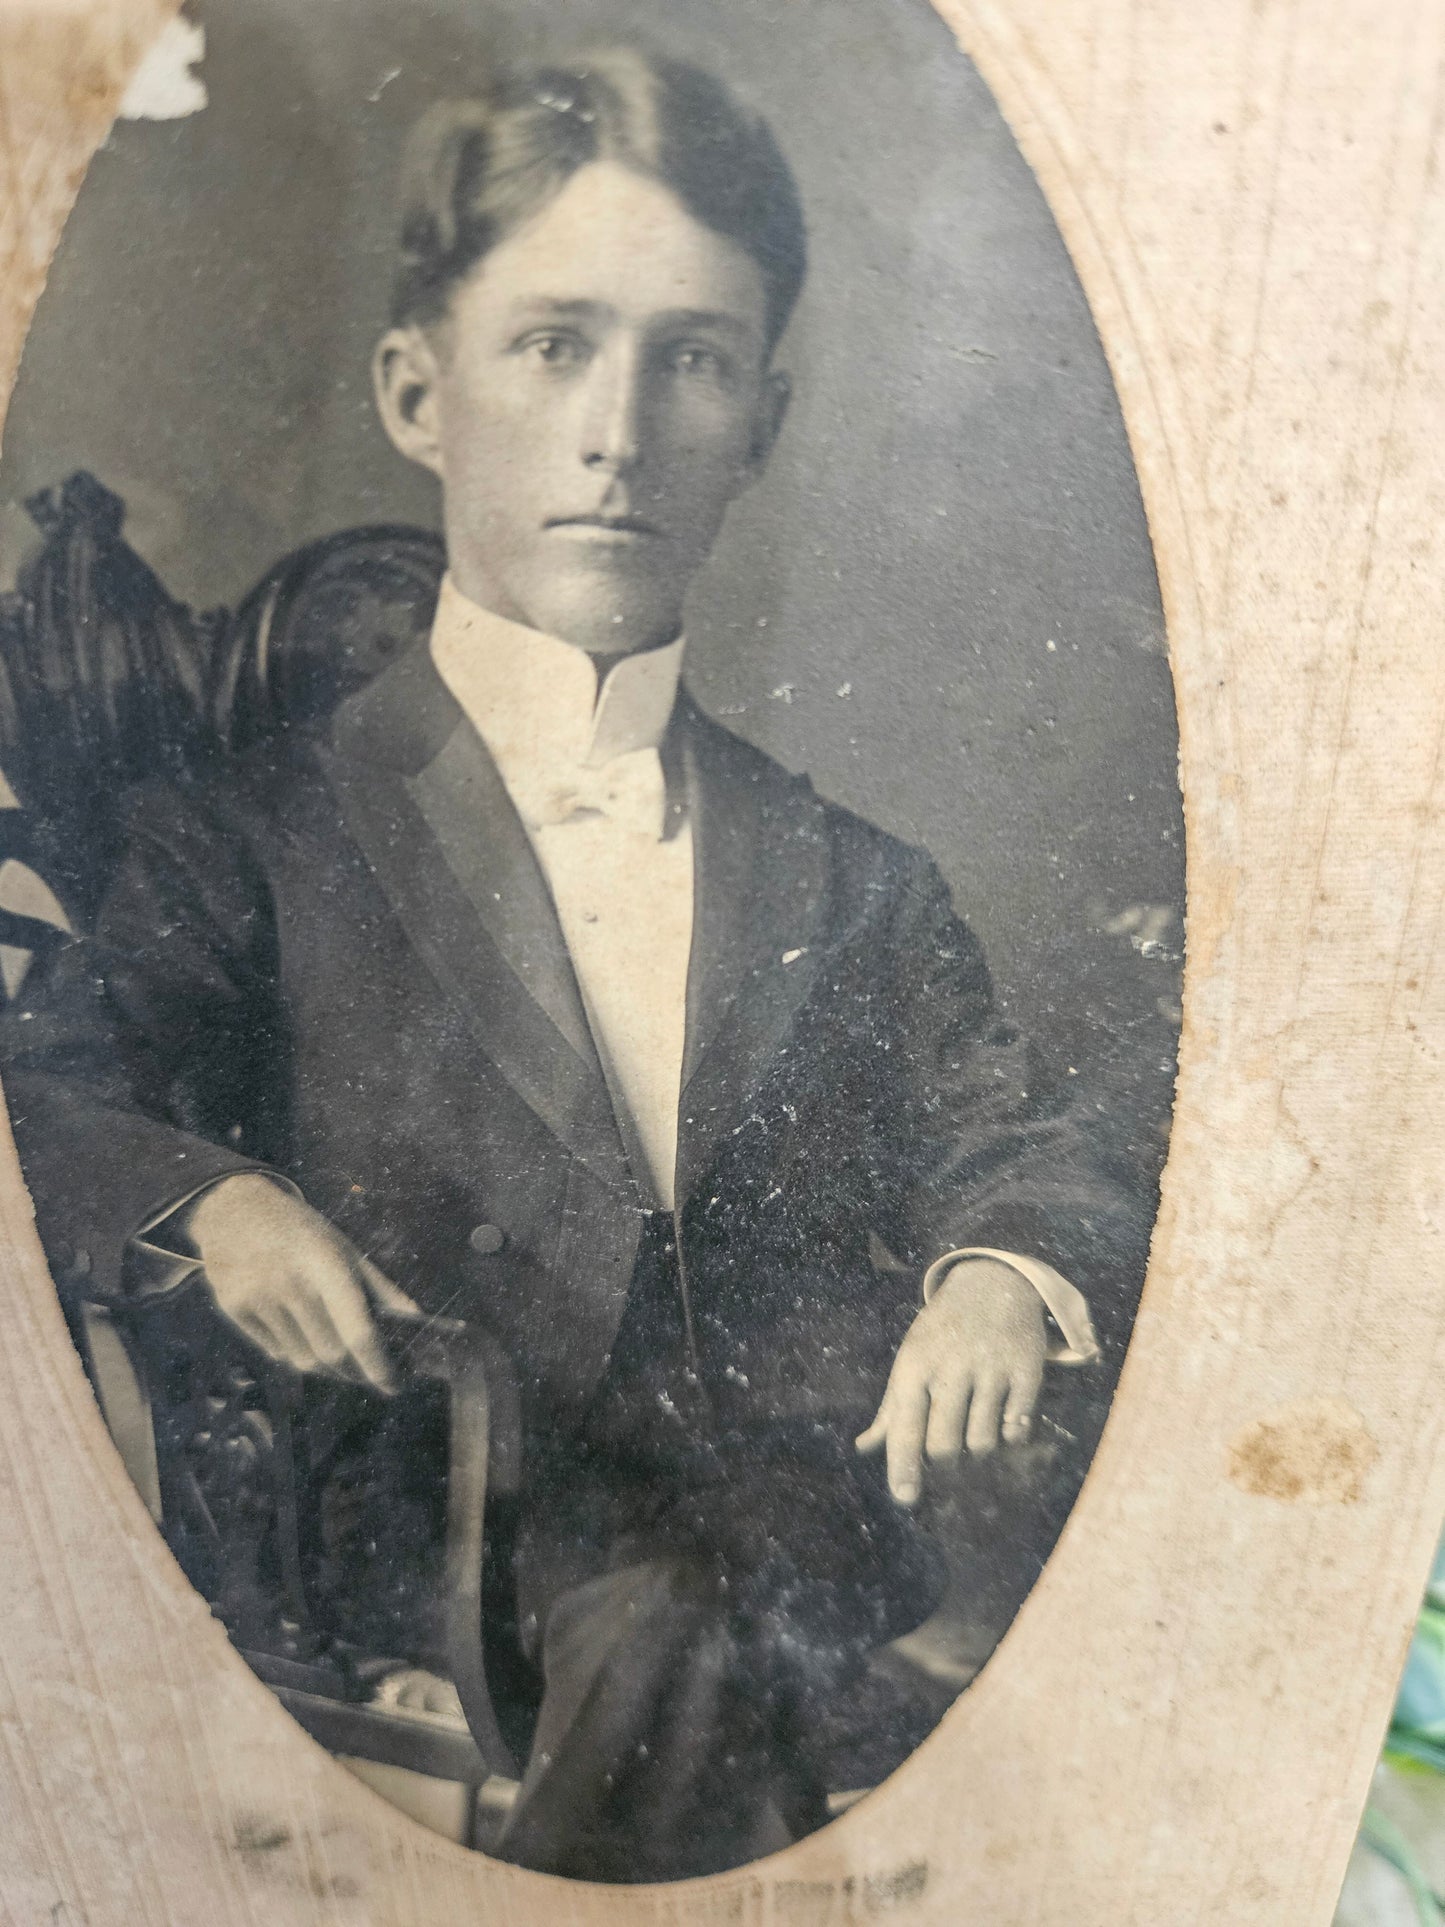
(941,601)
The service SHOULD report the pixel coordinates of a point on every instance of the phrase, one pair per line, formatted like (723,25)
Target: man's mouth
(617,527)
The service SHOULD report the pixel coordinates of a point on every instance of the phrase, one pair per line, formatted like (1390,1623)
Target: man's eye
(693,359)
(553,350)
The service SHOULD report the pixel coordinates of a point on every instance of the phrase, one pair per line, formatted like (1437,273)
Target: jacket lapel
(427,806)
(762,900)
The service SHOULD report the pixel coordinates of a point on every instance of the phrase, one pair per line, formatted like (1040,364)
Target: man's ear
(772,411)
(405,373)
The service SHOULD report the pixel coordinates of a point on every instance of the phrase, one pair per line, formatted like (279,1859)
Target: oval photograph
(592,896)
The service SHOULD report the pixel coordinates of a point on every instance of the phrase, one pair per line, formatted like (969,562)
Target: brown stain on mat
(1313,1451)
(276,1852)
(851,1901)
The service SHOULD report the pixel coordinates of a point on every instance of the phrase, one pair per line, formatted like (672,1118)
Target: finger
(307,1309)
(288,1341)
(270,1321)
(385,1294)
(258,1333)
(983,1414)
(322,1303)
(877,1432)
(906,1426)
(947,1409)
(349,1317)
(1018,1411)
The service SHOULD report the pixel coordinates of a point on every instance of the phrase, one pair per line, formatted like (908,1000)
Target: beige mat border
(1181,1724)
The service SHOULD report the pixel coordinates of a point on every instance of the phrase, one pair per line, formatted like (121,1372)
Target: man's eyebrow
(715,318)
(559,308)
(546,307)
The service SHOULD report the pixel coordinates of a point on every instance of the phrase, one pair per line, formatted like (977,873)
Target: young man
(524,990)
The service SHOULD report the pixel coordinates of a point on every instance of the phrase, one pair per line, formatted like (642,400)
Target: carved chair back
(106,680)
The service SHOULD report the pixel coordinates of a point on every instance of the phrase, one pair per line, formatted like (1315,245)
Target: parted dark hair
(477,169)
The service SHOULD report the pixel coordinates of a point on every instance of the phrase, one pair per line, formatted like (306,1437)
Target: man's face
(595,397)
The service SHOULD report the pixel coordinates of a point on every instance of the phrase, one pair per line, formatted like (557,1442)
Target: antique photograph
(591,901)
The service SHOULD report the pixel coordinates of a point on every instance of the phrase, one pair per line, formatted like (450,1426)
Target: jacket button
(486,1239)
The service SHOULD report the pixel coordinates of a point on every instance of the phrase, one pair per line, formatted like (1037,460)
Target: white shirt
(581,764)
(582,767)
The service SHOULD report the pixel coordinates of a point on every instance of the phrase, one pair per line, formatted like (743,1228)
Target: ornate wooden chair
(212,1438)
(105,679)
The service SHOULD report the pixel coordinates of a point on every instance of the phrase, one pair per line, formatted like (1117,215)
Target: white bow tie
(629,790)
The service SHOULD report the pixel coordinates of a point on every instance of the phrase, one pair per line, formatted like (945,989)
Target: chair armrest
(485,1453)
(118,1378)
(449,1350)
(484,1457)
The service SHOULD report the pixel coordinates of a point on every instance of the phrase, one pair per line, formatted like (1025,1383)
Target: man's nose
(612,430)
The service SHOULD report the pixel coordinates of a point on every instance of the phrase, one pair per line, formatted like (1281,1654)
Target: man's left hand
(968,1373)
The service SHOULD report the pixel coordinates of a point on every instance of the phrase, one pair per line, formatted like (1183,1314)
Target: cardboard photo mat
(1182,1721)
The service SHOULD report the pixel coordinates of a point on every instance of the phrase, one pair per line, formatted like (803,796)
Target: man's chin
(599,615)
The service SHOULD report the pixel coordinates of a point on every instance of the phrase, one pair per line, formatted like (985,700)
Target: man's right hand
(289,1280)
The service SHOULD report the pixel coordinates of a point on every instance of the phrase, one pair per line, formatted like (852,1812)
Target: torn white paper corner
(165,85)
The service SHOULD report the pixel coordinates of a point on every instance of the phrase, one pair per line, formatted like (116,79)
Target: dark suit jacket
(339,960)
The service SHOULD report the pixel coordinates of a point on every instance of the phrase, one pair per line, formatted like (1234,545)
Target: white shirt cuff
(1075,1343)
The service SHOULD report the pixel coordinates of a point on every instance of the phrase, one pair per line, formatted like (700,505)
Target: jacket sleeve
(997,1154)
(148,1061)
